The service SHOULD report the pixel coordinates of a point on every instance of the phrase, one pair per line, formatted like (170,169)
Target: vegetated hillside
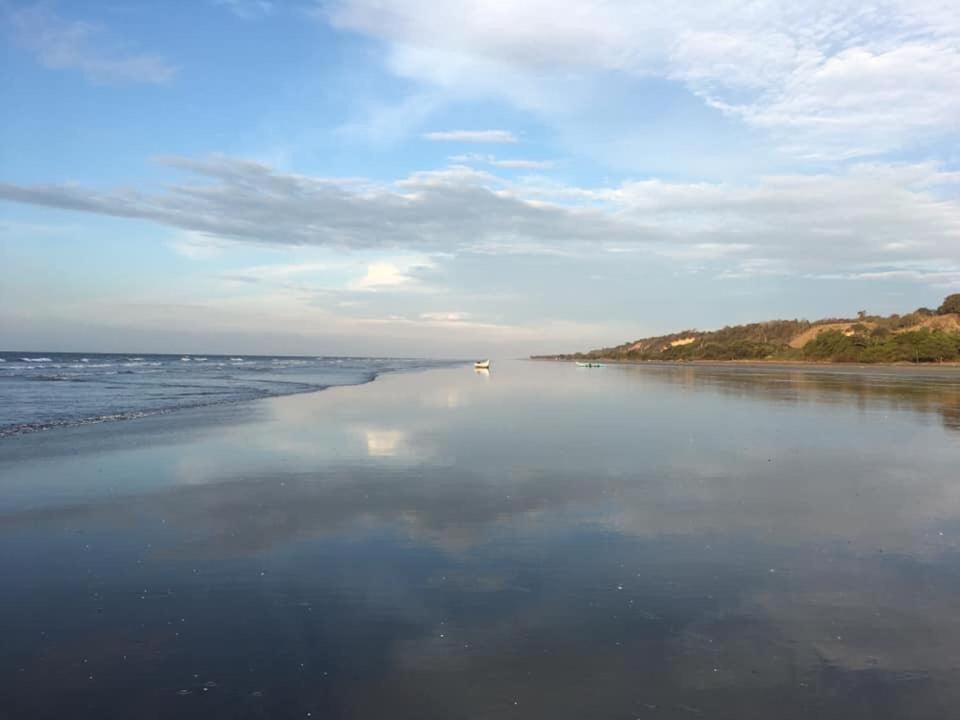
(921,336)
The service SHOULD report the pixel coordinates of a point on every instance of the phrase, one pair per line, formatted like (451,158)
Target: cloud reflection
(600,544)
(384,443)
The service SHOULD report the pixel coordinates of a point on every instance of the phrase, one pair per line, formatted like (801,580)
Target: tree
(861,314)
(951,304)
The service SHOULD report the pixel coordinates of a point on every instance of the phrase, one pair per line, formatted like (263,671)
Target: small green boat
(591,365)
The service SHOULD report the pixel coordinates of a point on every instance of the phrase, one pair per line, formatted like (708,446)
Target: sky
(466,178)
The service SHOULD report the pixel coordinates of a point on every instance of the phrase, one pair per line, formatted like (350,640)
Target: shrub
(951,304)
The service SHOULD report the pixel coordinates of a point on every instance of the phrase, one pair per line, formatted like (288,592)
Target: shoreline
(946,366)
(43,427)
(40,427)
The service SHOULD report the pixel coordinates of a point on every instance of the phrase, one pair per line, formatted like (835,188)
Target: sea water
(42,390)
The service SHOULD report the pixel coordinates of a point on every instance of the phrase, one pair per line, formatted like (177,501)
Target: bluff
(923,335)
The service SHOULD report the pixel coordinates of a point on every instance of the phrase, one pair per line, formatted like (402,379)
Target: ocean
(43,390)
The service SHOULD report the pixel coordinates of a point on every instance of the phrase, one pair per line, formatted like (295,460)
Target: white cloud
(509,163)
(380,275)
(445,317)
(826,78)
(394,274)
(472,136)
(520,164)
(945,275)
(61,44)
(247,201)
(870,215)
(862,102)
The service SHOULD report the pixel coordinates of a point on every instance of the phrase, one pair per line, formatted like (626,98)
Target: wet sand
(543,541)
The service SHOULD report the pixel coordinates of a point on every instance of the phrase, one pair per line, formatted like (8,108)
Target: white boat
(482,364)
(590,364)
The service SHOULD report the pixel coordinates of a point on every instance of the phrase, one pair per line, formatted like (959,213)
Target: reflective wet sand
(540,541)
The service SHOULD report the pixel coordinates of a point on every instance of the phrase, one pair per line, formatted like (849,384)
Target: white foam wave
(36,359)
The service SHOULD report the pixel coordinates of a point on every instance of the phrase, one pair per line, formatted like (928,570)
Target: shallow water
(542,541)
(40,391)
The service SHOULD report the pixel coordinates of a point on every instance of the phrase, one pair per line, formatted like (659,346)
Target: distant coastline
(766,363)
(921,337)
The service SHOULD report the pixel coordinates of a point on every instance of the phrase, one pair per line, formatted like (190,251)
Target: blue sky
(466,178)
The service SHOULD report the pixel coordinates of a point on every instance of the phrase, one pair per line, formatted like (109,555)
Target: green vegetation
(951,304)
(913,346)
(921,336)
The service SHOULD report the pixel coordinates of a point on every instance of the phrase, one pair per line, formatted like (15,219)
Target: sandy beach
(447,543)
